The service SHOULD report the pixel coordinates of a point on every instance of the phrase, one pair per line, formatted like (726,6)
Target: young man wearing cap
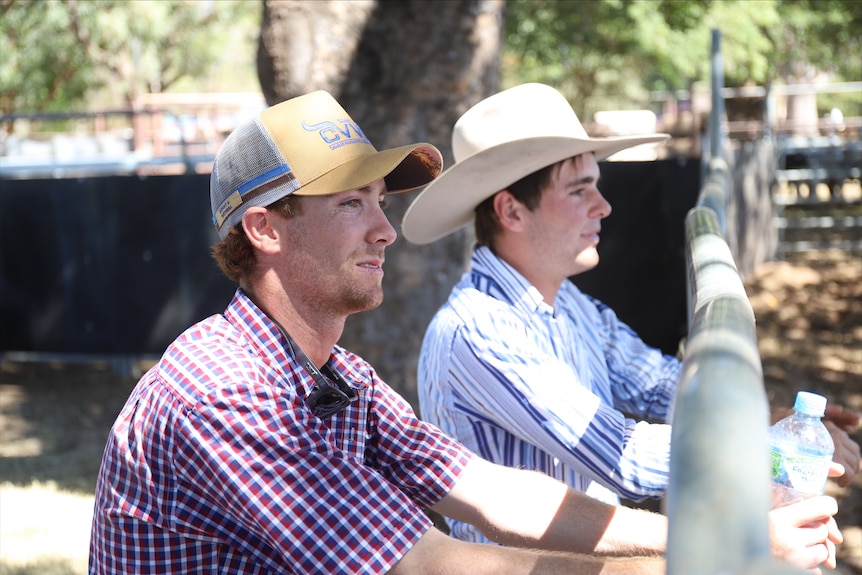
(258,445)
(518,364)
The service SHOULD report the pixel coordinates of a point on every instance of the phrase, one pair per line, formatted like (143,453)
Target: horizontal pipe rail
(713,192)
(719,485)
(719,494)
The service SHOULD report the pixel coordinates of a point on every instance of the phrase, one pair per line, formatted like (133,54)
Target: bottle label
(802,473)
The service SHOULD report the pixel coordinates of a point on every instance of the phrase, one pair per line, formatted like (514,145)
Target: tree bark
(405,71)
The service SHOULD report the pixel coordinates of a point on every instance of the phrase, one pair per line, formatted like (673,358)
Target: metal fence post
(719,495)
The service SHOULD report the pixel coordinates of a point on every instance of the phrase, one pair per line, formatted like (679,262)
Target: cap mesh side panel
(257,155)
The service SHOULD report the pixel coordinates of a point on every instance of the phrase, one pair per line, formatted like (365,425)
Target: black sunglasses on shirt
(325,398)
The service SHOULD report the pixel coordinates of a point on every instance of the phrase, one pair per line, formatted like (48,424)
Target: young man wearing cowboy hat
(520,365)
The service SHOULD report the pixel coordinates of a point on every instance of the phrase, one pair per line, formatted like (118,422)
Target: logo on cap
(336,136)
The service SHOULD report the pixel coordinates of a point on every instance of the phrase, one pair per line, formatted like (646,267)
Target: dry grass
(54,419)
(44,530)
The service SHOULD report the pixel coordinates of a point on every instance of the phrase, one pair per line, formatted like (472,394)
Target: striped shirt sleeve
(540,399)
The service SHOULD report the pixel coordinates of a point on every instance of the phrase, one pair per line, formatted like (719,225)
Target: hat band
(254,190)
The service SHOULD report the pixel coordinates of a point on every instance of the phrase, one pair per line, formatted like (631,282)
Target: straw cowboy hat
(496,143)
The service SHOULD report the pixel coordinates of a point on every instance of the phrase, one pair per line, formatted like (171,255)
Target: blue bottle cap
(810,403)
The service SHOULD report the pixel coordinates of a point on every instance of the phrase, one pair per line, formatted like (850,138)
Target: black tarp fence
(107,265)
(121,265)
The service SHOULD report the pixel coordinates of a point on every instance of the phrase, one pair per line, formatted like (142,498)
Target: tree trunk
(405,71)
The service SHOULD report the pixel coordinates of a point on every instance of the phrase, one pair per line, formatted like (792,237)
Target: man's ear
(509,210)
(257,222)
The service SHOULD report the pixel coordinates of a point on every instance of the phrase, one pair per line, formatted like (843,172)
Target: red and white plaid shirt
(216,464)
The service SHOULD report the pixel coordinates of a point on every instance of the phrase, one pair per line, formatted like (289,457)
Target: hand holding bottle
(801,451)
(804,533)
(840,422)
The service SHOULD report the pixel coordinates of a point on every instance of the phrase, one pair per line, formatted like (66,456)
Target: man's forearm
(529,509)
(439,553)
(609,531)
(634,532)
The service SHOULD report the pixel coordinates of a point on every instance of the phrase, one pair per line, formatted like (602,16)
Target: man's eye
(384,203)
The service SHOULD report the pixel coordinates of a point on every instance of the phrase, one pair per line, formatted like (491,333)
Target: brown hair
(235,255)
(527,190)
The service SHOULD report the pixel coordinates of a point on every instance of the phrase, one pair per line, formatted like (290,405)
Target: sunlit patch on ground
(43,530)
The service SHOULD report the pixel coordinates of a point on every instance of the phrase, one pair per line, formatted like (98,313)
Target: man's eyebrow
(585,180)
(370,188)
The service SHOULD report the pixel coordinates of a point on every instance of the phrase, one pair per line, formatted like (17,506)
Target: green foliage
(613,53)
(75,54)
(63,54)
(40,68)
(824,33)
(579,47)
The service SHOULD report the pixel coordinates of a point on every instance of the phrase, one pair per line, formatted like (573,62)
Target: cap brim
(448,203)
(404,168)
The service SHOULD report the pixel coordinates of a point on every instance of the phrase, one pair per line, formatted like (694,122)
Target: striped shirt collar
(495,276)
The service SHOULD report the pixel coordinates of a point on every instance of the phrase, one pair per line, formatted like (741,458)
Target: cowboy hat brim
(448,203)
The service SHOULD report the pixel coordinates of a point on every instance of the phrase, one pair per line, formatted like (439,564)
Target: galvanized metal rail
(719,485)
(719,498)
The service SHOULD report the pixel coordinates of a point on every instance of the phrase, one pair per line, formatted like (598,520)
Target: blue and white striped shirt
(525,384)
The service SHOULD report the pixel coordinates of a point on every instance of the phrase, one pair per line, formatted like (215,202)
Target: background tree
(76,54)
(60,55)
(586,50)
(613,53)
(405,71)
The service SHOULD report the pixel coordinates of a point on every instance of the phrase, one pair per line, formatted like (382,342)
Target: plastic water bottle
(800,451)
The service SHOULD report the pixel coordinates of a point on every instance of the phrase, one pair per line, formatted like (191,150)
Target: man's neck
(529,266)
(314,334)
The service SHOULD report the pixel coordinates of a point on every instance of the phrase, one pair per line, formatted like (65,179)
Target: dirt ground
(809,328)
(54,417)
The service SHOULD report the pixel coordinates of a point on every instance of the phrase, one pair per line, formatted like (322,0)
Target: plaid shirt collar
(264,335)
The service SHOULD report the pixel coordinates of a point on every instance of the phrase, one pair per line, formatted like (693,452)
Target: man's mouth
(371,264)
